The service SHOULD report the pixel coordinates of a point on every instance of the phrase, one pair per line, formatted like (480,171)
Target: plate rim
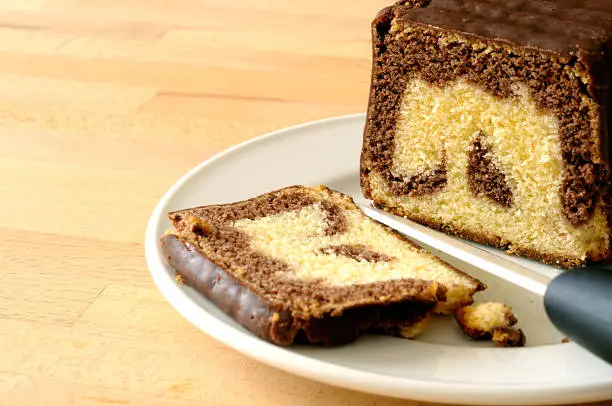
(328,372)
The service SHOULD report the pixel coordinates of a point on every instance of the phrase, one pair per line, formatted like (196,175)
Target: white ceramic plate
(441,366)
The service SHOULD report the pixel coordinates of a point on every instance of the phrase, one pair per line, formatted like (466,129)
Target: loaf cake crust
(528,84)
(242,257)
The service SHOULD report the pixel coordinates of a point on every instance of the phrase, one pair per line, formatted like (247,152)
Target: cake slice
(489,120)
(305,264)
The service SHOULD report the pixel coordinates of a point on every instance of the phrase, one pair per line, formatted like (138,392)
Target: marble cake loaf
(489,120)
(304,264)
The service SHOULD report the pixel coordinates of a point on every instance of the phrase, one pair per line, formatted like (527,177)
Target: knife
(577,302)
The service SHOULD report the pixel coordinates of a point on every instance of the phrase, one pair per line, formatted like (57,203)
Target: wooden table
(103,105)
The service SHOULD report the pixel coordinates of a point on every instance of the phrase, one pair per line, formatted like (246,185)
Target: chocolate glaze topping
(561,26)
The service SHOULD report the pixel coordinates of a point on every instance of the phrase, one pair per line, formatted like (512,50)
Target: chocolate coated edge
(227,293)
(279,327)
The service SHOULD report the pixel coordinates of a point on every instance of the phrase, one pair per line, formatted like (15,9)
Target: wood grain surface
(104,104)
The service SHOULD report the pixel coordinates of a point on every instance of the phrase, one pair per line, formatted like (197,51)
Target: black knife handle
(579,304)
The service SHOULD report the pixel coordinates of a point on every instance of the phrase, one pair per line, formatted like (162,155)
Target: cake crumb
(179,279)
(412,331)
(491,321)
